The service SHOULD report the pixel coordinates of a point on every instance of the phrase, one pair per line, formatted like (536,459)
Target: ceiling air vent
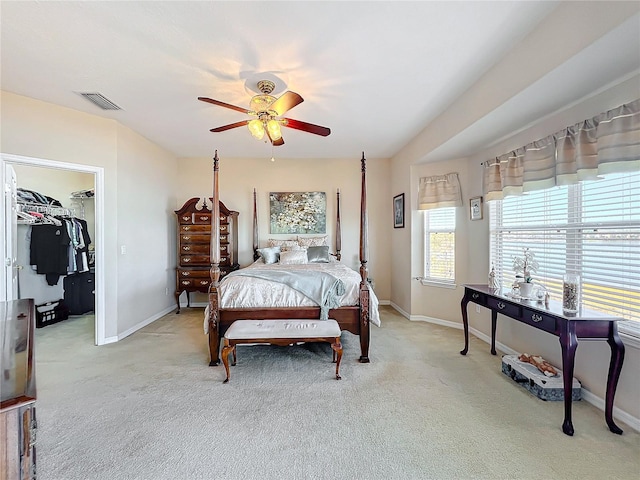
(101,101)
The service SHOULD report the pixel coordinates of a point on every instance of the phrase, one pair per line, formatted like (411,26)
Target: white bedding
(250,292)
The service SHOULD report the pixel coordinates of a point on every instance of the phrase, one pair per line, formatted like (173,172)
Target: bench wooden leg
(225,357)
(336,346)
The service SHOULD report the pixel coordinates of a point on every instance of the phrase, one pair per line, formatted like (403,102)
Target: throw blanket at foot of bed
(323,288)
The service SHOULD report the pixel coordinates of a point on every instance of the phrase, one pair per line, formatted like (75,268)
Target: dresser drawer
(201,248)
(192,238)
(200,260)
(190,228)
(477,297)
(201,273)
(201,218)
(504,307)
(195,248)
(200,283)
(539,320)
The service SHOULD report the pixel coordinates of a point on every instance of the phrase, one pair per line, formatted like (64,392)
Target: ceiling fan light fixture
(261,103)
(256,128)
(273,127)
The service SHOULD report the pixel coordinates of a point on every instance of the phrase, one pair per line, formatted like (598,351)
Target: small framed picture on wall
(475,208)
(398,211)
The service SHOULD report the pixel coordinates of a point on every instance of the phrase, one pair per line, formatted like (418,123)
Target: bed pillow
(270,255)
(285,245)
(312,241)
(293,257)
(318,254)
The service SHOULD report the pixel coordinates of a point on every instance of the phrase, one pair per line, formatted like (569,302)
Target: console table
(586,325)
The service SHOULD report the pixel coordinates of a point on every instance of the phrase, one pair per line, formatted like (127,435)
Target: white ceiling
(376,73)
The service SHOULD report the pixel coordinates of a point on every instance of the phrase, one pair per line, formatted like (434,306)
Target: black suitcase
(79,293)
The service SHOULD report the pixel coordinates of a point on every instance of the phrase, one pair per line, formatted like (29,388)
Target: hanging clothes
(49,250)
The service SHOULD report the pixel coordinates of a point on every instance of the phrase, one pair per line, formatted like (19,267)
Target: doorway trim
(98,172)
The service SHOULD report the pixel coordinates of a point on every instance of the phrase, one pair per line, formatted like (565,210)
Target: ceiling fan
(268,111)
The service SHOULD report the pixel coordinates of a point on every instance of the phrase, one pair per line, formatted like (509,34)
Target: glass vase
(571,293)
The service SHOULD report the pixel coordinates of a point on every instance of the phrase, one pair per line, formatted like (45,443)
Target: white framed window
(591,229)
(440,246)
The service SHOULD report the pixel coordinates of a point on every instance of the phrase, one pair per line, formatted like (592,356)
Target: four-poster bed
(353,314)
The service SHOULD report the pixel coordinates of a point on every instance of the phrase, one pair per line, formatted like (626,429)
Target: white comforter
(249,292)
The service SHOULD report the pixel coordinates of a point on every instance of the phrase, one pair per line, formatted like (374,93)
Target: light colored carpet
(150,407)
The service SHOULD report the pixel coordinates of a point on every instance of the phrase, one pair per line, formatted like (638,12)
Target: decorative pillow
(318,254)
(285,245)
(270,255)
(294,257)
(312,241)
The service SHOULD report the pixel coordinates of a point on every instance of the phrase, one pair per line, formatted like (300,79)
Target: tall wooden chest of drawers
(194,237)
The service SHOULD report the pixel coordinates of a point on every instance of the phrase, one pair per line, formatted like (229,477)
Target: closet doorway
(79,190)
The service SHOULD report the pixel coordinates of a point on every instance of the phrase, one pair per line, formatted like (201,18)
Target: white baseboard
(144,323)
(587,396)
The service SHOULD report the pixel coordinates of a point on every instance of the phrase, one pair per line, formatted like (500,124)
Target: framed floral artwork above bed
(298,212)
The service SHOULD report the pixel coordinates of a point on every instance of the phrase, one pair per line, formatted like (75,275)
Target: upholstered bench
(281,332)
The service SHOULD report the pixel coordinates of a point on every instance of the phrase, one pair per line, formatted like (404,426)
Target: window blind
(439,244)
(590,228)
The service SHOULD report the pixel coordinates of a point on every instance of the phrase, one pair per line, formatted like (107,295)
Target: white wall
(537,56)
(32,128)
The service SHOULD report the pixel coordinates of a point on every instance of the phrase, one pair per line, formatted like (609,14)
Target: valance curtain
(606,143)
(439,191)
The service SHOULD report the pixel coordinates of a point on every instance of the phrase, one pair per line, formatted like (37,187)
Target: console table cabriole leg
(615,366)
(494,323)
(465,323)
(569,344)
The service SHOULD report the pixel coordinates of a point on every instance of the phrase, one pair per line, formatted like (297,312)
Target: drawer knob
(186,218)
(475,296)
(501,306)
(186,282)
(186,259)
(204,282)
(223,228)
(186,237)
(185,274)
(186,248)
(536,318)
(204,217)
(223,248)
(223,217)
(186,227)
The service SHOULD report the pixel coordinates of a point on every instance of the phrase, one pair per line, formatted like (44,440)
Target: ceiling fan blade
(230,126)
(286,102)
(222,104)
(306,127)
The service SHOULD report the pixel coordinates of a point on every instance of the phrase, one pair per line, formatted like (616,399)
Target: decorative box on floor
(543,387)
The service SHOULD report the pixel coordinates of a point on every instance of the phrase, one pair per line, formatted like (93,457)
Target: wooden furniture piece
(194,243)
(354,318)
(18,391)
(586,325)
(281,332)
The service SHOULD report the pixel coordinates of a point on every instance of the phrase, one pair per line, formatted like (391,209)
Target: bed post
(338,230)
(255,227)
(364,274)
(214,252)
